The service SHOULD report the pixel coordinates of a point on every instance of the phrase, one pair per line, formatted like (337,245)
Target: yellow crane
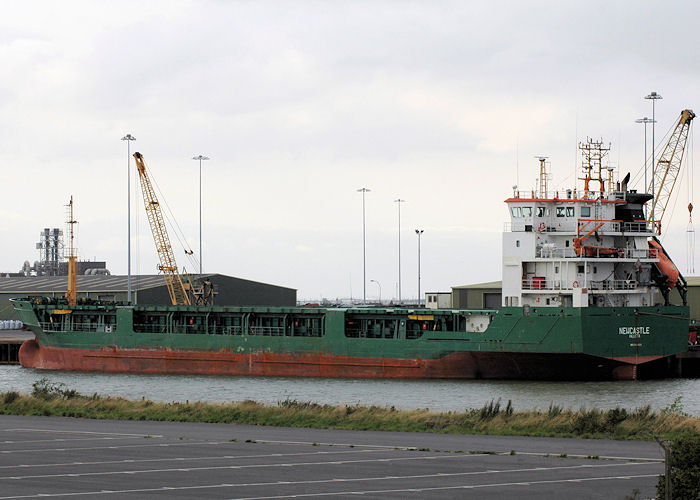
(173,280)
(667,168)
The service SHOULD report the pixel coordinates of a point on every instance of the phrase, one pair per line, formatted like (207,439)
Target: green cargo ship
(513,342)
(586,287)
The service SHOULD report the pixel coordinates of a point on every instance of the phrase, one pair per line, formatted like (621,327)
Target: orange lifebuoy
(541,227)
(575,284)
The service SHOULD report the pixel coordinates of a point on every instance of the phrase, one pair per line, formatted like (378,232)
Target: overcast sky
(299,104)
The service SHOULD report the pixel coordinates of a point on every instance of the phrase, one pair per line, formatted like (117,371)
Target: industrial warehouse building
(488,295)
(148,289)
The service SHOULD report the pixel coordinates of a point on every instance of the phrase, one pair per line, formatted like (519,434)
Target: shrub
(47,390)
(587,422)
(685,468)
(615,416)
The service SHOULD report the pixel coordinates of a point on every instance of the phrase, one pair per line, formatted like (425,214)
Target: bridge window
(516,211)
(569,211)
(561,211)
(541,211)
(527,211)
(585,211)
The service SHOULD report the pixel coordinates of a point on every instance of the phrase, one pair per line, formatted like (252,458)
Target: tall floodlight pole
(128,138)
(380,290)
(653,96)
(364,253)
(399,201)
(419,232)
(645,120)
(200,158)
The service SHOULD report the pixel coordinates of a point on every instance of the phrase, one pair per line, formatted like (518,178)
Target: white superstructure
(583,249)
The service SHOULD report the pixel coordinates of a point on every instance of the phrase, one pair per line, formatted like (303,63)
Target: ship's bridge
(577,250)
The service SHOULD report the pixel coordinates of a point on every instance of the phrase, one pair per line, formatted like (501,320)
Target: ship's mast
(544,176)
(72,290)
(593,153)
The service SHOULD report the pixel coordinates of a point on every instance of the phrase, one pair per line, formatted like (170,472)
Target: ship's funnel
(625,181)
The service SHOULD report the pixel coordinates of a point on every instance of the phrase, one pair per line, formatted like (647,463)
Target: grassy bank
(493,418)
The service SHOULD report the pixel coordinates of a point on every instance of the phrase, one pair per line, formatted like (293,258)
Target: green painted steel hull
(571,343)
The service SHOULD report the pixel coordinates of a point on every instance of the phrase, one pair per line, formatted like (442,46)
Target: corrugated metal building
(488,295)
(147,289)
(477,296)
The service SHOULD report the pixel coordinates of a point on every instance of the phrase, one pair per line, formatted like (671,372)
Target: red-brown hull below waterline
(458,365)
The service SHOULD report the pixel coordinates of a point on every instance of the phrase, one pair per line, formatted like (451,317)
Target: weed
(554,410)
(563,455)
(232,440)
(250,441)
(642,413)
(587,422)
(55,399)
(634,496)
(512,452)
(675,408)
(614,417)
(509,408)
(490,410)
(10,397)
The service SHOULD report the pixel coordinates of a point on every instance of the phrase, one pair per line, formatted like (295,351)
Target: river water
(437,395)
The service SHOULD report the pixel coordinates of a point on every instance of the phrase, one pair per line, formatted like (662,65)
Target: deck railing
(546,285)
(536,225)
(613,285)
(76,327)
(545,252)
(265,331)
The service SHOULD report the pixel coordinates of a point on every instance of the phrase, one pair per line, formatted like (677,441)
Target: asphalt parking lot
(45,457)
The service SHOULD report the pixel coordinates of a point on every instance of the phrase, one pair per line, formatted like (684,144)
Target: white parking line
(365,479)
(43,450)
(293,464)
(458,487)
(54,431)
(315,443)
(63,440)
(180,459)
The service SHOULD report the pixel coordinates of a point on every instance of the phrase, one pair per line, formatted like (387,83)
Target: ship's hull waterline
(463,365)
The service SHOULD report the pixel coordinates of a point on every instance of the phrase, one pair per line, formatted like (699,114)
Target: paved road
(76,458)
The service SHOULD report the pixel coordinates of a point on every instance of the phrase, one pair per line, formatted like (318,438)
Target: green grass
(618,423)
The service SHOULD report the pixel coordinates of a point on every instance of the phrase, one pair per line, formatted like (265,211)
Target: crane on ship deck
(181,288)
(662,182)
